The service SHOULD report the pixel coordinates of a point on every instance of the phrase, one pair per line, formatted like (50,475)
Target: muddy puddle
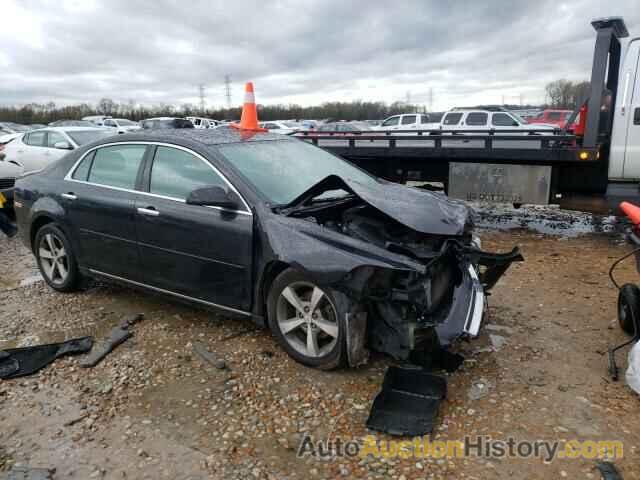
(547,220)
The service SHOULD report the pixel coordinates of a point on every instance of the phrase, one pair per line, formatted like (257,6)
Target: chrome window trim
(169,292)
(68,176)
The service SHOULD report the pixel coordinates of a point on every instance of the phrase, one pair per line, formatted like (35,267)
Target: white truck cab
(624,156)
(201,122)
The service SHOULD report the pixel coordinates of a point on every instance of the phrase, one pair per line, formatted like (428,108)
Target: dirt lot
(153,409)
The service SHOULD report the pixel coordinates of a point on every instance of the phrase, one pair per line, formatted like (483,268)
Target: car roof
(68,129)
(205,137)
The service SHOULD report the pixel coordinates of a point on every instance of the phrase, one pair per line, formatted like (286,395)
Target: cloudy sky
(465,52)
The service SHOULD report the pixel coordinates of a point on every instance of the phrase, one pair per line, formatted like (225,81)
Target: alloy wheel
(53,258)
(307,319)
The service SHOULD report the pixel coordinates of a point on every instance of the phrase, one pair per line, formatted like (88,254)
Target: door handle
(150,211)
(69,196)
(636,116)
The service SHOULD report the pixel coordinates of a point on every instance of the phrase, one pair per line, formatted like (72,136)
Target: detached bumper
(469,298)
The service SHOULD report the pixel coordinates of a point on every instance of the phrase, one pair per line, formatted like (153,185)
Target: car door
(391,123)
(203,253)
(99,197)
(54,153)
(31,151)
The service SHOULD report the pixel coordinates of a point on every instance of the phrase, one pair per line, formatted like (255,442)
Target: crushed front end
(422,311)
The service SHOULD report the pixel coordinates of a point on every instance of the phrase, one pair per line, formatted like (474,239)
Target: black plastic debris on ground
(19,362)
(118,335)
(408,403)
(608,471)
(437,359)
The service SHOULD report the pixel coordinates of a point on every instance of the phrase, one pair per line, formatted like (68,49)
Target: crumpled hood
(421,210)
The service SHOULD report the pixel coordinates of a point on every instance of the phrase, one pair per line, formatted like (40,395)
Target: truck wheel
(307,321)
(629,308)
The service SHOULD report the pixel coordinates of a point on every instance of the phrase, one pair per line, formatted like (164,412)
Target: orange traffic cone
(249,118)
(632,211)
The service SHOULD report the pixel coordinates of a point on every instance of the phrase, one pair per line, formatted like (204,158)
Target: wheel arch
(269,274)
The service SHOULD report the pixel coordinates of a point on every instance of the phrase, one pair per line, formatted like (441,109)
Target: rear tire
(313,331)
(56,259)
(629,308)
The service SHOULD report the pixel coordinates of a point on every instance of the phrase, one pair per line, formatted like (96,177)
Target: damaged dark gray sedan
(333,260)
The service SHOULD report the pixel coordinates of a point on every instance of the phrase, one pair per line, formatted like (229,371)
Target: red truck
(554,117)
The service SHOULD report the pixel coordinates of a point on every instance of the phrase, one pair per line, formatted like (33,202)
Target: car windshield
(282,170)
(124,121)
(80,137)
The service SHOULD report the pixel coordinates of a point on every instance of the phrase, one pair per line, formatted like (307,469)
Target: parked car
(9,172)
(283,128)
(121,125)
(97,119)
(201,122)
(7,128)
(488,118)
(344,127)
(36,149)
(71,123)
(409,121)
(165,122)
(266,227)
(554,117)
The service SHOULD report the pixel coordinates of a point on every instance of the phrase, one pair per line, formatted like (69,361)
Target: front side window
(391,122)
(35,139)
(408,120)
(176,173)
(55,137)
(556,115)
(117,165)
(110,123)
(477,118)
(452,118)
(503,120)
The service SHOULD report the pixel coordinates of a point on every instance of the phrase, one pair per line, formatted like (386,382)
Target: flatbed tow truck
(600,158)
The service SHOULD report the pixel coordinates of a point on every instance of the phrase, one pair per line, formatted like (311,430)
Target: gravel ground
(154,409)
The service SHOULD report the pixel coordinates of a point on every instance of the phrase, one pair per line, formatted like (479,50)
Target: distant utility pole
(201,95)
(431,99)
(521,99)
(408,97)
(227,89)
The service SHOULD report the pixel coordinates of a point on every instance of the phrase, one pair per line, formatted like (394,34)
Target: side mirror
(62,146)
(214,196)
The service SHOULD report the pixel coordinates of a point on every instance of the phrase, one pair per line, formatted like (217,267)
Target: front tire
(629,308)
(56,260)
(307,321)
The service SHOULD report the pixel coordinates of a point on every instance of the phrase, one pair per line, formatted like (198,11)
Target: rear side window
(35,139)
(117,166)
(452,118)
(477,118)
(503,120)
(408,120)
(555,115)
(176,173)
(82,170)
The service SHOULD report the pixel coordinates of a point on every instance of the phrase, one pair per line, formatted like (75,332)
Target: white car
(121,125)
(278,127)
(201,122)
(96,119)
(36,149)
(408,121)
(487,118)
